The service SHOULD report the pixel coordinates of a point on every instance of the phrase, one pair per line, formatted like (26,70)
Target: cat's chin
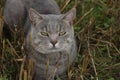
(48,51)
(51,51)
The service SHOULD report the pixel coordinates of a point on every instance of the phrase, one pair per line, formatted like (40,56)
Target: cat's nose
(53,42)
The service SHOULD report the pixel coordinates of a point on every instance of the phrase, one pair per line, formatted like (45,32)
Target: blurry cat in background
(16,11)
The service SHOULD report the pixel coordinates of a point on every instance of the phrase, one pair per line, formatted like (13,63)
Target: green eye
(62,33)
(44,33)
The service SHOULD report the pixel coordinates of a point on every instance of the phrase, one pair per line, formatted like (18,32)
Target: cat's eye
(44,33)
(62,33)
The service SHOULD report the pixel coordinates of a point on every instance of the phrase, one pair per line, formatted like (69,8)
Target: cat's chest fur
(52,64)
(52,58)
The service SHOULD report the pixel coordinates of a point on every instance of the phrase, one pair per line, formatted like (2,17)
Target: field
(97,31)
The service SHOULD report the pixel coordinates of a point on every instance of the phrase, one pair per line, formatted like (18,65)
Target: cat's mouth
(53,48)
(49,49)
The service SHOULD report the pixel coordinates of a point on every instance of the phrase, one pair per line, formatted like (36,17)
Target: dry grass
(97,30)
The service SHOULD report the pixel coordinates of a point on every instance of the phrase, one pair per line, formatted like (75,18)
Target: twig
(30,69)
(92,59)
(25,75)
(88,44)
(56,67)
(108,50)
(66,3)
(83,16)
(69,73)
(1,23)
(2,56)
(22,68)
(12,48)
(116,48)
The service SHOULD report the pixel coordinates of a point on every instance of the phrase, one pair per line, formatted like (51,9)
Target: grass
(97,31)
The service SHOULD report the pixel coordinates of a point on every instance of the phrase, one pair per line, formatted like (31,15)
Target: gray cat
(50,38)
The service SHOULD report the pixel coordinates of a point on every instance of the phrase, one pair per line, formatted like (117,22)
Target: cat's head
(52,33)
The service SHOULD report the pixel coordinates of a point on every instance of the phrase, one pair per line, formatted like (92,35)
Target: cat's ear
(34,16)
(70,15)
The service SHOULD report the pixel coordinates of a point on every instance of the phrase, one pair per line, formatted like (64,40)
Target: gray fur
(49,34)
(16,11)
(42,48)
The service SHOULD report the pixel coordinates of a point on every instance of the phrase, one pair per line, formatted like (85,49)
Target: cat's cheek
(50,46)
(57,45)
(37,41)
(69,40)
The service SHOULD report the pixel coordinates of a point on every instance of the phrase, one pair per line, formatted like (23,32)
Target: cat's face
(52,33)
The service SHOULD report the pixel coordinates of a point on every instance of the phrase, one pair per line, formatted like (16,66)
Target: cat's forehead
(52,17)
(53,20)
(53,23)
